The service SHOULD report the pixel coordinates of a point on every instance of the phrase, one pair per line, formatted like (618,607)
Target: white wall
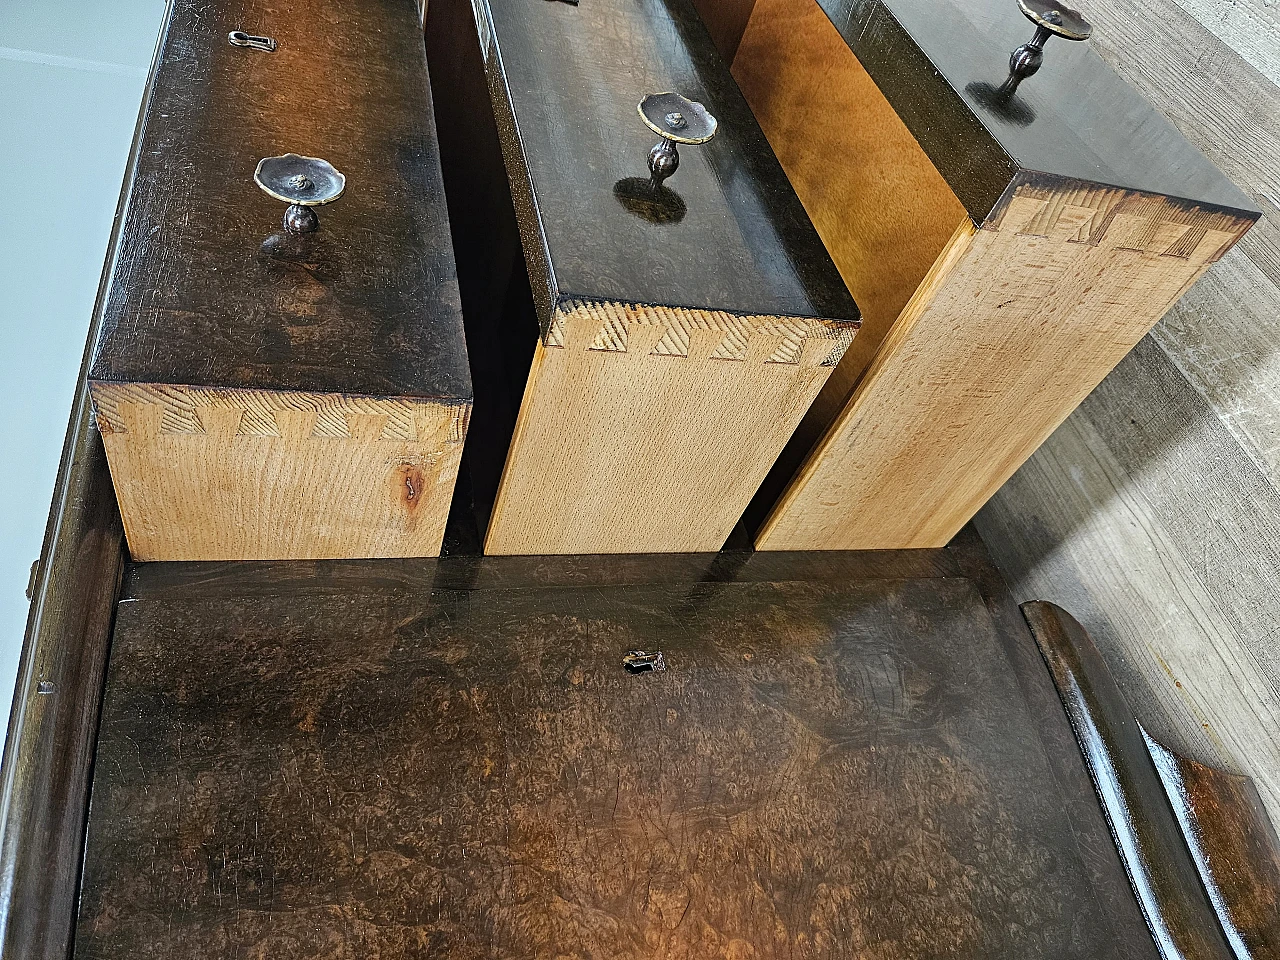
(71,80)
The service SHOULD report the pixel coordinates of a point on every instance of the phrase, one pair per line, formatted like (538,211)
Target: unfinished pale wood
(647,429)
(219,474)
(1011,331)
(882,209)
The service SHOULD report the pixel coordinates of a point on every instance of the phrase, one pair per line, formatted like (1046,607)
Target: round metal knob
(1052,18)
(675,119)
(301,182)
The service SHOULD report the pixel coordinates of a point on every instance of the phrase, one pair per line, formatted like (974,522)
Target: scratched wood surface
(262,395)
(1152,513)
(830,768)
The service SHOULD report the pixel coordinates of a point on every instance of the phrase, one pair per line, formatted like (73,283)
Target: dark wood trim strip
(48,755)
(1100,856)
(207,580)
(1234,847)
(1165,880)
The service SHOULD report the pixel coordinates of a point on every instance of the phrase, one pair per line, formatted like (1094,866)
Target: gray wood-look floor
(1153,513)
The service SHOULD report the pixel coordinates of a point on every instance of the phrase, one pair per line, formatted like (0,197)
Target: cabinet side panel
(881,208)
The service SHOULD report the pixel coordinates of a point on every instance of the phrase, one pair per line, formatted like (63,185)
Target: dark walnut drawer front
(1006,251)
(681,331)
(263,394)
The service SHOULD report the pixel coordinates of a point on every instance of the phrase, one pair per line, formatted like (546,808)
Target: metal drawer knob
(1051,18)
(676,119)
(301,182)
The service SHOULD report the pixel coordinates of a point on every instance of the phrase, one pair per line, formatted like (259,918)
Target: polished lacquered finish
(1165,879)
(571,77)
(940,63)
(269,392)
(1234,846)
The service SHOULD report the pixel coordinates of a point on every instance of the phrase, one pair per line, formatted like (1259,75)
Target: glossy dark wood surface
(53,722)
(1234,846)
(827,768)
(1126,927)
(569,78)
(208,290)
(1164,878)
(1075,119)
(49,749)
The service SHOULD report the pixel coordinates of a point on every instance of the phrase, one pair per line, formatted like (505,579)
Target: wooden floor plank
(1210,93)
(1142,518)
(1249,27)
(1224,336)
(1153,511)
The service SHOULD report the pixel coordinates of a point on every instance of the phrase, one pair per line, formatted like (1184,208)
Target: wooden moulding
(679,341)
(1006,257)
(1199,851)
(262,395)
(53,721)
(1234,847)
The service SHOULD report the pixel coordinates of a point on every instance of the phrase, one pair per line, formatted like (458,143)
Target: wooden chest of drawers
(262,394)
(670,338)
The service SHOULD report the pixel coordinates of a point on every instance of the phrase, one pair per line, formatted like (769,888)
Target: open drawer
(1006,250)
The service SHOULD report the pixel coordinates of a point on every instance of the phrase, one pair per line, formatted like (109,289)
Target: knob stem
(299,219)
(1025,61)
(664,160)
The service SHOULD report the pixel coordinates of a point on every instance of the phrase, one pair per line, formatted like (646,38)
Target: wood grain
(263,395)
(1156,504)
(48,756)
(677,349)
(1141,514)
(826,769)
(209,474)
(883,210)
(937,61)
(648,430)
(1234,847)
(207,290)
(1221,337)
(1101,856)
(1013,328)
(1248,27)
